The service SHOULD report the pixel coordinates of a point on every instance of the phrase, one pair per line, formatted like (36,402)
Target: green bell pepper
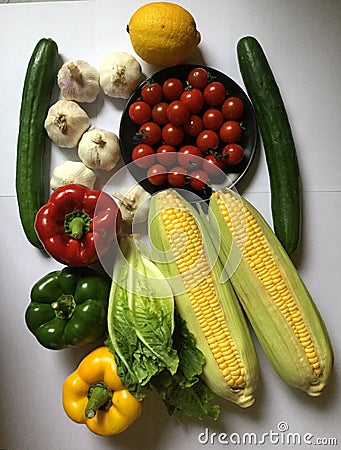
(69,308)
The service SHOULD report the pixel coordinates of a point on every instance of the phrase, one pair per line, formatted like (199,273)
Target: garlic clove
(72,172)
(65,123)
(99,149)
(133,202)
(79,81)
(119,74)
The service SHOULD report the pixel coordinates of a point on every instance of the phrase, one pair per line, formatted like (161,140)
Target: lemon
(163,33)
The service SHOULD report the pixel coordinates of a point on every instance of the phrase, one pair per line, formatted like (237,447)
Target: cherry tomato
(198,77)
(198,179)
(214,93)
(194,99)
(172,88)
(177,176)
(166,155)
(151,93)
(159,113)
(230,131)
(139,112)
(149,133)
(143,156)
(213,167)
(213,119)
(207,140)
(172,134)
(157,174)
(232,154)
(190,157)
(178,112)
(232,108)
(193,126)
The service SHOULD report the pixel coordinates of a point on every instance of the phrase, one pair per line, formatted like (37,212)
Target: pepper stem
(64,306)
(77,223)
(99,398)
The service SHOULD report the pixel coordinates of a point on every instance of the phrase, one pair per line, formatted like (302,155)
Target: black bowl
(249,140)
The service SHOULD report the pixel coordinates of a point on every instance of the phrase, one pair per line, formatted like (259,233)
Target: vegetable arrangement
(171,317)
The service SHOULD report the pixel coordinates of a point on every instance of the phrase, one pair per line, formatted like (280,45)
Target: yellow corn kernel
(285,301)
(208,305)
(205,304)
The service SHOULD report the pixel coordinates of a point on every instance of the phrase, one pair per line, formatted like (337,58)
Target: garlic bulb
(78,81)
(99,149)
(119,74)
(72,172)
(133,202)
(65,123)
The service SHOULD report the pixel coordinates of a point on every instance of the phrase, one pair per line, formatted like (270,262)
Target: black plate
(249,140)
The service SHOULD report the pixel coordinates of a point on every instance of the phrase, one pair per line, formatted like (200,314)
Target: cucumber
(36,96)
(278,141)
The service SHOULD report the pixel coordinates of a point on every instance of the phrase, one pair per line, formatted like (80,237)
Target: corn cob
(210,308)
(276,301)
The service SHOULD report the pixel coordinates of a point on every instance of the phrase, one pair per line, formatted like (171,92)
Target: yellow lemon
(163,33)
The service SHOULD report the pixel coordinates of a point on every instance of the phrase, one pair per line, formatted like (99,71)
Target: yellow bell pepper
(94,395)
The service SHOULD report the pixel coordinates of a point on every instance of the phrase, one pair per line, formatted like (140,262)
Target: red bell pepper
(78,225)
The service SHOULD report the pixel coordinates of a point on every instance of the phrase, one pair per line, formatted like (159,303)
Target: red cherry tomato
(207,140)
(214,93)
(143,156)
(166,155)
(157,174)
(178,112)
(149,133)
(230,131)
(232,154)
(172,134)
(151,93)
(177,176)
(193,126)
(190,157)
(198,77)
(172,88)
(159,113)
(232,108)
(213,167)
(139,112)
(194,99)
(198,179)
(213,119)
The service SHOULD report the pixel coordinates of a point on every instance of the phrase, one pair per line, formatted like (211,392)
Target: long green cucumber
(36,96)
(277,139)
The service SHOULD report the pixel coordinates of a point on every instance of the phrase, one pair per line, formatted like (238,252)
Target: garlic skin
(133,202)
(119,74)
(78,81)
(99,149)
(65,123)
(72,172)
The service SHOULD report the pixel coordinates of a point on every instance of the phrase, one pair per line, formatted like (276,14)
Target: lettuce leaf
(140,319)
(150,341)
(185,394)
